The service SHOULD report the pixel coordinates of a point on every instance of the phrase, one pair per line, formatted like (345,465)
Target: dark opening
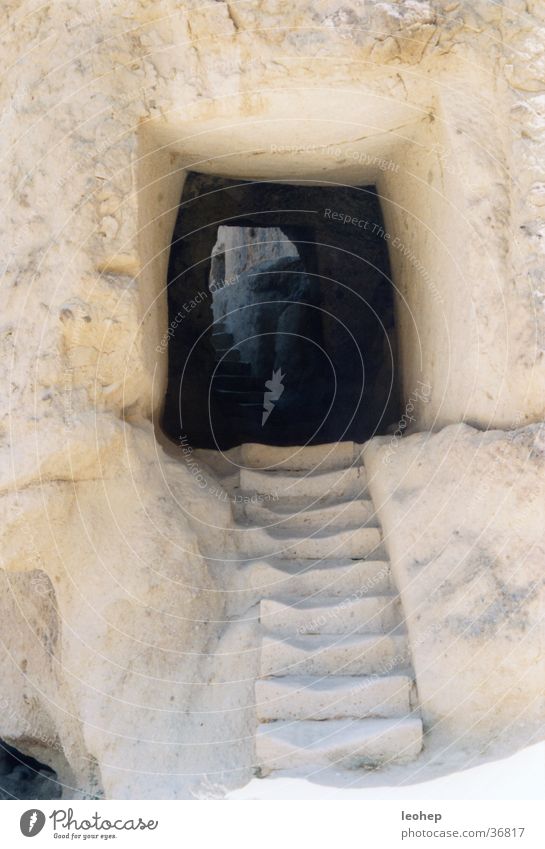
(23,777)
(281,315)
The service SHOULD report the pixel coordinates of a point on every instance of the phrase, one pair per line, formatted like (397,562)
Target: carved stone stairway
(336,686)
(236,395)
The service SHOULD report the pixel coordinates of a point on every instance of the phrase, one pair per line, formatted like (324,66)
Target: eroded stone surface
(102,110)
(463,519)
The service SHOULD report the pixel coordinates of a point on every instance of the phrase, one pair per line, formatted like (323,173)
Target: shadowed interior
(281,315)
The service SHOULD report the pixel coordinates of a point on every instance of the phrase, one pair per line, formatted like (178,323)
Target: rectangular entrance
(281,315)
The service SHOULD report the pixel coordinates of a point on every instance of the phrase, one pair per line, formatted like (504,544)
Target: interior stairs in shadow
(236,394)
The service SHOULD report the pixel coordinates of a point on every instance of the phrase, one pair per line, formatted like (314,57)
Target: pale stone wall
(103,109)
(463,516)
(245,247)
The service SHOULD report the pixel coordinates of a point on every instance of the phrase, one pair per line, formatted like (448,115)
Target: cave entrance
(281,315)
(24,777)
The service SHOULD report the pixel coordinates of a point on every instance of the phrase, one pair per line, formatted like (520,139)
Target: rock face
(278,294)
(463,516)
(127,667)
(112,610)
(239,249)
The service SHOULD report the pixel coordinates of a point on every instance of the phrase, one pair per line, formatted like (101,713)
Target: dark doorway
(281,315)
(23,777)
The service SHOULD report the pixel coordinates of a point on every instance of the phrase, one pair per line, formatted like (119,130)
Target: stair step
(230,367)
(338,743)
(238,396)
(334,455)
(357,543)
(295,513)
(351,481)
(358,654)
(235,382)
(332,697)
(365,615)
(222,339)
(246,409)
(303,578)
(230,355)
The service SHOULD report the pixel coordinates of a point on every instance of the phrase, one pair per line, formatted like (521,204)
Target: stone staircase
(236,394)
(336,686)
